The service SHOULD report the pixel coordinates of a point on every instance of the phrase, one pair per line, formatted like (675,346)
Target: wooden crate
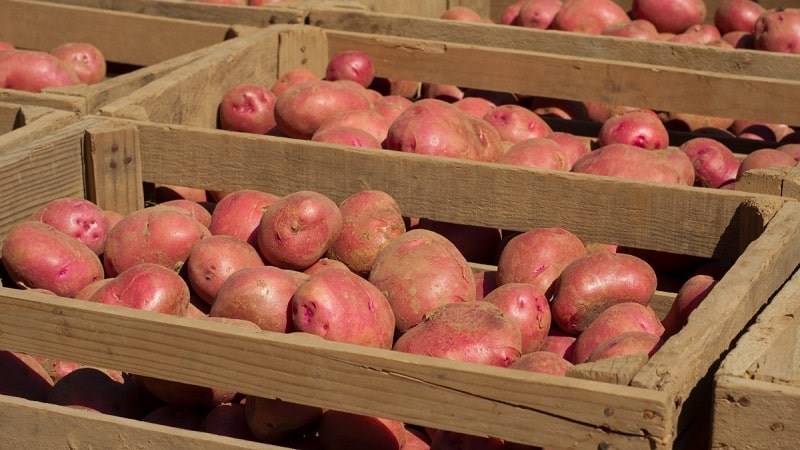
(757,387)
(627,403)
(22,123)
(139,48)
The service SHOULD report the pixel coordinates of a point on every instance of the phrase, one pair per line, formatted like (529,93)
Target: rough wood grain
(619,370)
(764,181)
(114,178)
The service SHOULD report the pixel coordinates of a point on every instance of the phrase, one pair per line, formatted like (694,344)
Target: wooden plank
(780,364)
(28,424)
(415,389)
(114,181)
(618,370)
(35,122)
(765,181)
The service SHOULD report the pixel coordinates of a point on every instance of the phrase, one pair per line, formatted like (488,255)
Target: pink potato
(341,306)
(325,264)
(419,271)
(353,65)
(538,13)
(792,149)
(474,331)
(248,108)
(367,120)
(195,209)
(542,153)
(641,128)
(239,213)
(346,135)
(183,417)
(214,259)
(528,307)
(228,419)
(627,343)
(433,127)
(737,15)
(148,287)
(92,389)
(161,235)
(591,284)
(31,70)
(290,78)
(390,107)
(23,376)
(670,17)
(572,145)
(511,13)
(542,362)
(77,217)
(36,255)
(302,108)
(764,158)
(537,257)
(86,60)
(588,16)
(740,39)
(559,342)
(475,106)
(516,123)
(272,420)
(698,34)
(89,290)
(370,220)
(714,163)
(462,13)
(261,295)
(298,229)
(339,430)
(778,30)
(616,319)
(634,29)
(690,295)
(669,165)
(489,142)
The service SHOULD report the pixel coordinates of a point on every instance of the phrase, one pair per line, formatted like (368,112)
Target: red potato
(86,60)
(763,158)
(559,342)
(419,271)
(591,284)
(792,149)
(113,217)
(339,430)
(93,389)
(528,307)
(542,362)
(641,128)
(148,287)
(416,440)
(537,257)
(476,243)
(30,70)
(700,34)
(616,319)
(542,153)
(214,259)
(346,135)
(474,106)
(740,39)
(36,255)
(272,420)
(6,46)
(298,229)
(538,13)
(627,343)
(474,331)
(635,29)
(23,376)
(325,264)
(183,417)
(737,15)
(670,17)
(261,295)
(714,163)
(434,127)
(516,123)
(161,235)
(588,16)
(184,394)
(462,13)
(239,213)
(77,217)
(511,13)
(367,120)
(292,77)
(341,306)
(391,106)
(489,142)
(778,30)
(690,295)
(600,112)
(370,220)
(195,209)
(89,290)
(572,145)
(302,108)
(228,419)
(669,165)
(353,65)
(248,108)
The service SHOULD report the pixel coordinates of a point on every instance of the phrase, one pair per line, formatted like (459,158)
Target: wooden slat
(765,181)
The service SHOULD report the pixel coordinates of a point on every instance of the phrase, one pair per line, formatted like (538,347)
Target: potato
(419,271)
(370,220)
(184,394)
(763,158)
(346,135)
(572,145)
(228,419)
(195,209)
(183,417)
(670,17)
(147,287)
(272,420)
(714,163)
(692,292)
(92,389)
(616,319)
(628,161)
(537,257)
(490,145)
(214,259)
(462,13)
(23,376)
(588,16)
(89,290)
(261,295)
(298,229)
(737,15)
(591,284)
(325,264)
(559,342)
(541,153)
(86,60)
(627,343)
(77,217)
(542,362)
(160,234)
(635,29)
(353,65)
(775,30)
(538,13)
(528,307)
(475,106)
(516,123)
(391,106)
(341,306)
(367,120)
(641,128)
(474,331)
(249,108)
(292,77)
(239,213)
(338,430)
(31,70)
(36,255)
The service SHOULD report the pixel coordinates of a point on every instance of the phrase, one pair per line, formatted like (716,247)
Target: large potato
(667,165)
(615,320)
(148,287)
(239,213)
(36,255)
(641,128)
(542,362)
(419,271)
(85,59)
(588,16)
(528,307)
(77,217)
(214,259)
(516,123)
(31,70)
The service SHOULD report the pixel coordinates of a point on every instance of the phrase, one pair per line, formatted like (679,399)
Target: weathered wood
(619,370)
(23,123)
(765,181)
(114,178)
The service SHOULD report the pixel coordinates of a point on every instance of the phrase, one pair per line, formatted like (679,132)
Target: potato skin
(77,217)
(591,284)
(627,343)
(239,213)
(214,259)
(615,320)
(528,307)
(147,287)
(636,163)
(36,255)
(542,362)
(272,420)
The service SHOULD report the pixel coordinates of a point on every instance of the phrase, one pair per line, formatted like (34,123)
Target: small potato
(213,259)
(528,307)
(298,229)
(36,255)
(542,362)
(341,306)
(616,319)
(86,60)
(184,394)
(93,389)
(588,16)
(641,128)
(32,71)
(690,295)
(591,284)
(272,420)
(627,343)
(77,217)
(147,287)
(353,65)
(23,376)
(516,123)
(765,157)
(239,213)
(249,108)
(339,430)
(475,331)
(714,163)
